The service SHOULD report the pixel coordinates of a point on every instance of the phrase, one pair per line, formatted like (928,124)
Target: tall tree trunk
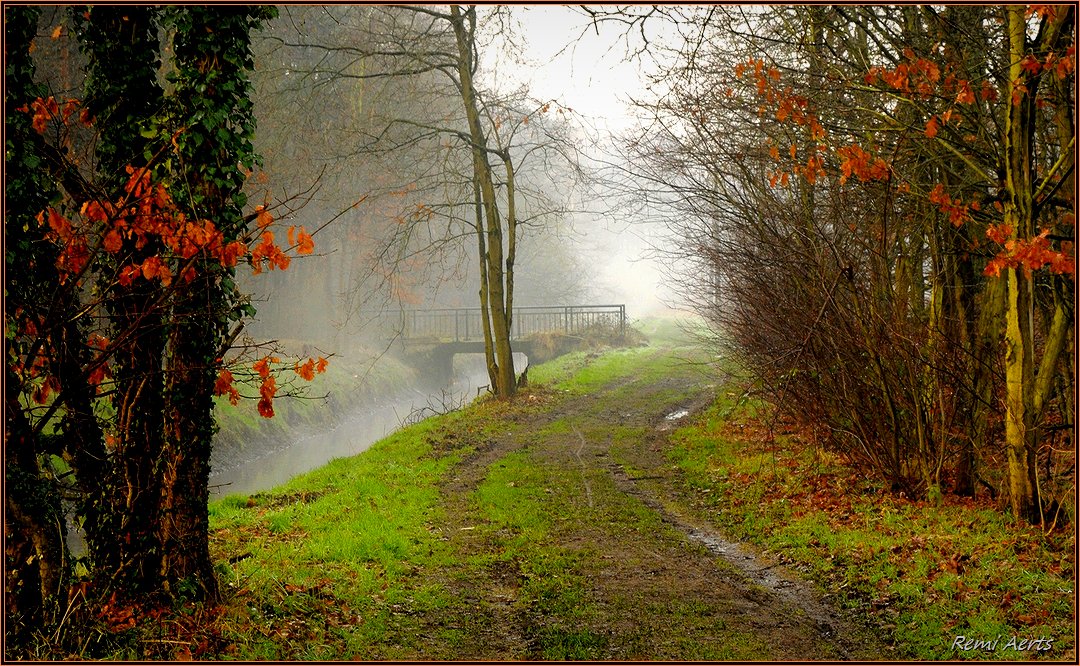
(496,287)
(184,470)
(35,567)
(122,48)
(485,311)
(212,55)
(35,554)
(1019,315)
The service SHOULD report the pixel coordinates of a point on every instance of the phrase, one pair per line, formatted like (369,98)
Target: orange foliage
(142,214)
(999,233)
(266,402)
(224,385)
(957,210)
(269,251)
(263,218)
(861,164)
(1032,254)
(931,127)
(263,366)
(307,370)
(302,240)
(154,267)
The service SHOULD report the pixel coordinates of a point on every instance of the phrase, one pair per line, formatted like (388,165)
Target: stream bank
(255,455)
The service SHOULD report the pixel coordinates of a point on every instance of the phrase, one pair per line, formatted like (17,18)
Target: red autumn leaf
(97,375)
(266,402)
(999,233)
(154,267)
(262,367)
(43,110)
(307,370)
(95,211)
(59,225)
(224,382)
(279,259)
(857,162)
(229,254)
(988,92)
(320,365)
(966,95)
(128,274)
(305,244)
(1042,10)
(1031,65)
(267,249)
(263,218)
(113,241)
(932,127)
(69,108)
(268,388)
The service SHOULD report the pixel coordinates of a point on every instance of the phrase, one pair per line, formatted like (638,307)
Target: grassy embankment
(350,561)
(925,572)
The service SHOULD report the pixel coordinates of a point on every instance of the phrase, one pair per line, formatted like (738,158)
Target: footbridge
(441,333)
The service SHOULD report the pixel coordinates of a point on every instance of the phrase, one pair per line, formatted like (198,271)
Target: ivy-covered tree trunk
(35,567)
(213,114)
(122,93)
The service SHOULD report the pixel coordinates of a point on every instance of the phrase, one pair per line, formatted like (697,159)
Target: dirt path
(624,569)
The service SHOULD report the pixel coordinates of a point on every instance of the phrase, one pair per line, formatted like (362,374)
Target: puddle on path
(793,592)
(783,586)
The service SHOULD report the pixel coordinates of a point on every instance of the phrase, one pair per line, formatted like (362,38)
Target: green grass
(925,572)
(360,559)
(348,535)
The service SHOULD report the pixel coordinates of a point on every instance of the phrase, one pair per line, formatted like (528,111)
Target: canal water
(273,464)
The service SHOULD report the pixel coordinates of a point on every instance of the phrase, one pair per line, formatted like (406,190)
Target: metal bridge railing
(465,324)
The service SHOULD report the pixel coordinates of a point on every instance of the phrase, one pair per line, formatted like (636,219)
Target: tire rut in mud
(639,582)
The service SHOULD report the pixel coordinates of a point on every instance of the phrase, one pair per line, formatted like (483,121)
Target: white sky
(587,73)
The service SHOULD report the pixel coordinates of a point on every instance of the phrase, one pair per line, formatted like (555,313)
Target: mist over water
(270,464)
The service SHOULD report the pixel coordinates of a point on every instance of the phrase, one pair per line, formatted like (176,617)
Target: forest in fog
(870,208)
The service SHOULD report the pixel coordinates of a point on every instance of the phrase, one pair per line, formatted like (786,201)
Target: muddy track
(679,590)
